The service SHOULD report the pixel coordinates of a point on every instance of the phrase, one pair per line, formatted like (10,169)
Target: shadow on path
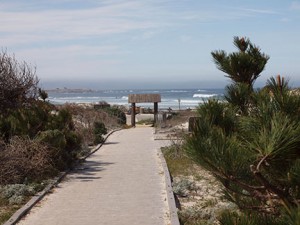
(111,143)
(87,171)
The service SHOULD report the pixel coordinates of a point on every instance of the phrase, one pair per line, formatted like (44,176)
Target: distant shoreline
(70,90)
(90,90)
(170,98)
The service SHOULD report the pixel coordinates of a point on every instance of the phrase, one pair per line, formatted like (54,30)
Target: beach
(170,98)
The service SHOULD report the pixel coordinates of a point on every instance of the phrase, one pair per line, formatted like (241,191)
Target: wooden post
(155,112)
(133,114)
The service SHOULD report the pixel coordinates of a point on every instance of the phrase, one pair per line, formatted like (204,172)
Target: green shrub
(65,146)
(26,121)
(99,130)
(53,138)
(117,112)
(62,120)
(251,143)
(233,218)
(73,141)
(38,138)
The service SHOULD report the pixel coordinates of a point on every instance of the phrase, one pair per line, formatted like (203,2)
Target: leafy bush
(84,118)
(73,141)
(65,145)
(117,112)
(38,139)
(99,130)
(53,138)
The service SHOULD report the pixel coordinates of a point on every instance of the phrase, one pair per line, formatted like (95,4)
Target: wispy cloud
(35,22)
(295,5)
(260,11)
(62,24)
(69,37)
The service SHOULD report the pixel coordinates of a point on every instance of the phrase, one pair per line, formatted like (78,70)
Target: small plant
(16,193)
(183,187)
(43,94)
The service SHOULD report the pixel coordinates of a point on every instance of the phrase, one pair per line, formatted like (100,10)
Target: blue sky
(114,44)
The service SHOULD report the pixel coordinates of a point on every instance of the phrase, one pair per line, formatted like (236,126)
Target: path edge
(170,194)
(18,215)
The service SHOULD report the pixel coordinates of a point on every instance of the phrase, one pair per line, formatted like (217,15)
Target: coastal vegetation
(38,139)
(239,165)
(199,195)
(251,141)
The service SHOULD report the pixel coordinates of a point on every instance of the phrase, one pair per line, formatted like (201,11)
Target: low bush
(53,138)
(84,118)
(16,193)
(25,160)
(117,112)
(99,131)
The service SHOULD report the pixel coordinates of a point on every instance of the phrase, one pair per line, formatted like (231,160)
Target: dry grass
(27,159)
(178,163)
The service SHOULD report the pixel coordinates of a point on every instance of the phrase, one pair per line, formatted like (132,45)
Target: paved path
(121,184)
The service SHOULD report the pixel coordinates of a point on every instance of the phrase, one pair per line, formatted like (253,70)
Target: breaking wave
(204,95)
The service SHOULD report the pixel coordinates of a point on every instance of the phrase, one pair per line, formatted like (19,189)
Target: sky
(119,44)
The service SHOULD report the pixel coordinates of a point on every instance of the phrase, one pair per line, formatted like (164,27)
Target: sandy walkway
(121,184)
(139,117)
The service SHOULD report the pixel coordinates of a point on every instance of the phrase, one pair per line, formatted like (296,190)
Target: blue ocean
(170,98)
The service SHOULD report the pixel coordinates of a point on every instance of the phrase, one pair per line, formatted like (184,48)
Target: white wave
(200,90)
(190,101)
(125,97)
(177,91)
(75,97)
(204,95)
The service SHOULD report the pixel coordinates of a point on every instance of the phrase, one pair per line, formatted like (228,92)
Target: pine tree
(243,66)
(255,154)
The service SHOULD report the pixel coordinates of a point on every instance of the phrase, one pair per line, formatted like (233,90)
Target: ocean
(170,98)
